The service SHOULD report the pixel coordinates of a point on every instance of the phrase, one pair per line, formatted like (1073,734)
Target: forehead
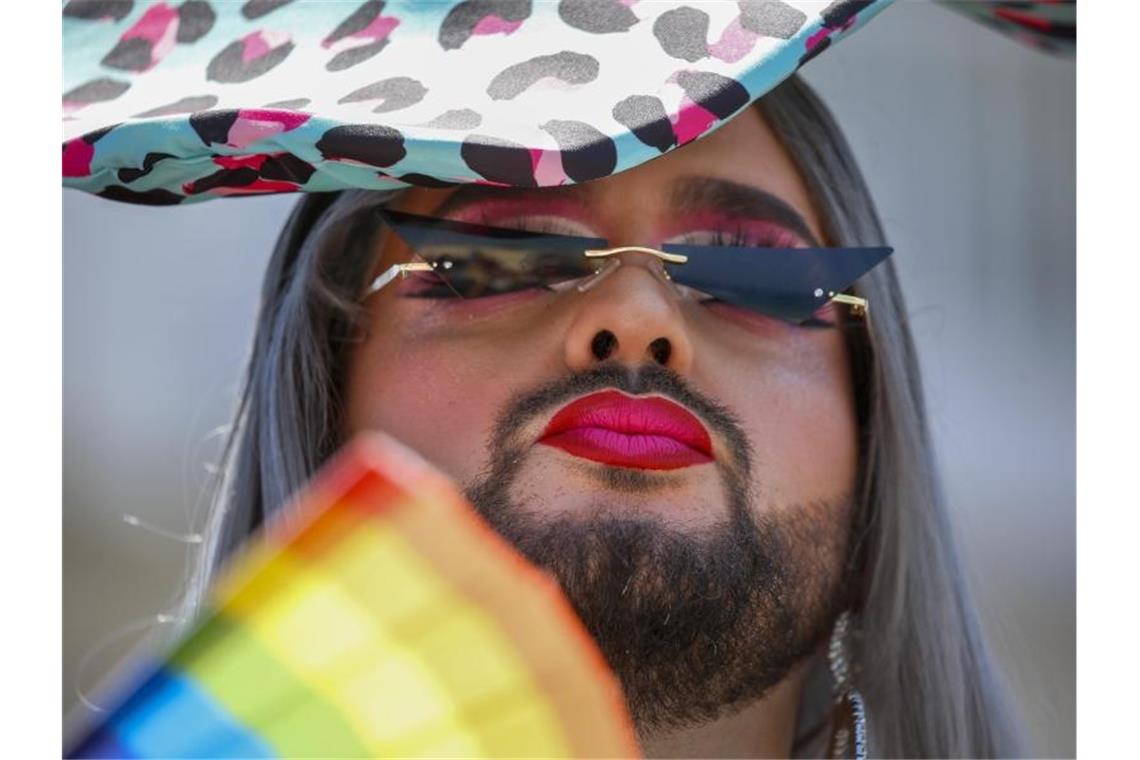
(745,152)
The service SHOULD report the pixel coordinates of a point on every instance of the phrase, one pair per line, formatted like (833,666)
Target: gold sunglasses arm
(397,270)
(859,306)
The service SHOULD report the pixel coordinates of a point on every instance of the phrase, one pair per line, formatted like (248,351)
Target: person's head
(709,563)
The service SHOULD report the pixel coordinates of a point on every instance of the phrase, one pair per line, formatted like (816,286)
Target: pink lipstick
(643,432)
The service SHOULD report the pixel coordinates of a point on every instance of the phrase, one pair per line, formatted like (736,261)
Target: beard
(694,624)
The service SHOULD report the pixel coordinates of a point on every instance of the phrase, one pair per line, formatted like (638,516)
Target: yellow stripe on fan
(391,656)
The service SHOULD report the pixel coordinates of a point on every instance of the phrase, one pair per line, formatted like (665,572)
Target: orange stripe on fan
(308,509)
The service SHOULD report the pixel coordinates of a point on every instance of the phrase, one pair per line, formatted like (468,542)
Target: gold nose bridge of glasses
(859,306)
(605,253)
(669,258)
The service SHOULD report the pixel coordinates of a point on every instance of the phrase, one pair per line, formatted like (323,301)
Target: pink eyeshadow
(755,231)
(494,212)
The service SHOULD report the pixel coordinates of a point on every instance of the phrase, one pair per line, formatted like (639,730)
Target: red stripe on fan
(1025,19)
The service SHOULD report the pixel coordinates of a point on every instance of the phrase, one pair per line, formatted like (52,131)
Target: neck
(765,728)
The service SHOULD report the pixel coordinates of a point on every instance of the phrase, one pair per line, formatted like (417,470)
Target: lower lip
(645,452)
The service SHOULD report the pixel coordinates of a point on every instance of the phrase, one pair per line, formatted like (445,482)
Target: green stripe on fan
(245,678)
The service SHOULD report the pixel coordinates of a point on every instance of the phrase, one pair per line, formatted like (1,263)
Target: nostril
(661,349)
(603,344)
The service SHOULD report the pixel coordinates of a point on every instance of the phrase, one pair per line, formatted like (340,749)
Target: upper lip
(632,415)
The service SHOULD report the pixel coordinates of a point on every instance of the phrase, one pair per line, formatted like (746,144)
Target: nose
(631,315)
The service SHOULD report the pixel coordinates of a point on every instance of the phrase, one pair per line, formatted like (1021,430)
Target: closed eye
(543,223)
(742,236)
(473,271)
(752,236)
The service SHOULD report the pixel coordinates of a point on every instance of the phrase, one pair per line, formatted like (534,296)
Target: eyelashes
(541,223)
(765,235)
(768,236)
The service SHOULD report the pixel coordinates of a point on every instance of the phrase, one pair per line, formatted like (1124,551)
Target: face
(684,467)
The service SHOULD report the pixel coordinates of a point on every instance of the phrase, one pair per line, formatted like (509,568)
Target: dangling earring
(848,716)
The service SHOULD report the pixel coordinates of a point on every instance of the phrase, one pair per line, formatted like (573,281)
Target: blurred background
(967,139)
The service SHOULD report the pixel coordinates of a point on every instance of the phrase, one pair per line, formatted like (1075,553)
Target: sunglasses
(470,261)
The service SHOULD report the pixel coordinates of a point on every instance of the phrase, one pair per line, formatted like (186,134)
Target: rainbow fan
(383,617)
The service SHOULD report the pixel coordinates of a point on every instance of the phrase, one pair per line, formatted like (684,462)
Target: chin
(589,490)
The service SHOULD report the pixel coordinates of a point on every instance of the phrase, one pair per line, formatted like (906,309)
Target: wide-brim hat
(171,102)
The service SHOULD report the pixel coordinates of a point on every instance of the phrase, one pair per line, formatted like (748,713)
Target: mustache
(635,381)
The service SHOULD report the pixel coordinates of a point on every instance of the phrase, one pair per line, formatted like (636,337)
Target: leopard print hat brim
(175,102)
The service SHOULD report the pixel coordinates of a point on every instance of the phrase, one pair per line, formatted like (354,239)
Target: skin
(435,374)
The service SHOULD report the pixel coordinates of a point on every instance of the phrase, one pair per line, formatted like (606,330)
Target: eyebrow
(691,193)
(737,200)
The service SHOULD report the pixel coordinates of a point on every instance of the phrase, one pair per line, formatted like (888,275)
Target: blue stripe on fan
(172,716)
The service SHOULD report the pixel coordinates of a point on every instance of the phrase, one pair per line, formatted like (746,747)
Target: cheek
(429,397)
(796,405)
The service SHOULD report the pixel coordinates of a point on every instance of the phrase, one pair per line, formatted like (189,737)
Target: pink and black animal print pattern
(174,101)
(1048,26)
